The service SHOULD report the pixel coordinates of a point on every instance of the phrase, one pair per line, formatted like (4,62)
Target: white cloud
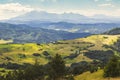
(10,10)
(88,12)
(108,0)
(106,5)
(104,0)
(48,0)
(96,0)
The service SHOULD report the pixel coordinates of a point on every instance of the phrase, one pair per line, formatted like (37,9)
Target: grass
(100,40)
(64,48)
(93,76)
(104,39)
(4,71)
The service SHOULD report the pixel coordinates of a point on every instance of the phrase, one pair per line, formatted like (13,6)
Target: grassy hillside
(76,53)
(72,51)
(93,76)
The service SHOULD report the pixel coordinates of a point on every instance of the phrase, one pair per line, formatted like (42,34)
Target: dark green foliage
(14,66)
(79,68)
(4,49)
(54,70)
(93,68)
(8,58)
(35,72)
(21,55)
(72,56)
(100,55)
(112,69)
(45,53)
(57,68)
(96,64)
(36,54)
(116,45)
(15,75)
(10,65)
(114,31)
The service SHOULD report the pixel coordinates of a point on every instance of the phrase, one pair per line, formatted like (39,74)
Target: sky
(13,8)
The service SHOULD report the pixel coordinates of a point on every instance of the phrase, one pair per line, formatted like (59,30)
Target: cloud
(104,0)
(49,0)
(10,10)
(91,12)
(108,0)
(87,12)
(106,5)
(96,0)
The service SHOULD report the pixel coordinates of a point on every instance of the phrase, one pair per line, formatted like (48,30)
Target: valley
(59,40)
(83,53)
(73,51)
(75,48)
(21,33)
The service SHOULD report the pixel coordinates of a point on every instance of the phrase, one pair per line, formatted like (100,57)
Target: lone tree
(57,69)
(112,69)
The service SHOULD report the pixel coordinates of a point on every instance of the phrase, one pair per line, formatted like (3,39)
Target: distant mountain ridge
(115,31)
(45,16)
(69,22)
(64,17)
(26,34)
(76,28)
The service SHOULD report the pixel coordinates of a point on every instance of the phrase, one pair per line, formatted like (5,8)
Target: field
(93,76)
(72,49)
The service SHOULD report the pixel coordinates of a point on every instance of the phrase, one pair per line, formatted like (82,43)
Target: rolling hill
(115,31)
(73,51)
(64,17)
(72,27)
(93,28)
(26,34)
(76,52)
(93,76)
(69,22)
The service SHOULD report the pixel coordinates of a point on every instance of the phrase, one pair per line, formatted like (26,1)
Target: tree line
(54,70)
(57,70)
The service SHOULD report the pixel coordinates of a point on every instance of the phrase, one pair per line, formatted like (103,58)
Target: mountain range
(64,17)
(26,34)
(96,28)
(115,31)
(69,22)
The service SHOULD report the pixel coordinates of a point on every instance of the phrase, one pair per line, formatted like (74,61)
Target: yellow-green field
(24,53)
(93,76)
(64,48)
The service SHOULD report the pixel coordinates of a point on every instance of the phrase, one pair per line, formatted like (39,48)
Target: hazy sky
(13,8)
